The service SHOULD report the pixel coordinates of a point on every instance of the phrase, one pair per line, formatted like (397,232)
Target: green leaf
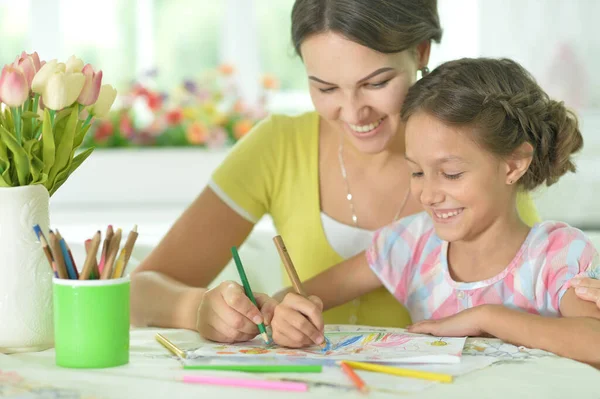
(62,114)
(19,156)
(29,115)
(80,136)
(4,161)
(3,183)
(9,125)
(36,165)
(48,147)
(64,147)
(77,161)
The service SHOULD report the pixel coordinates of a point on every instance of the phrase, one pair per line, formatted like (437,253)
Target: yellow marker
(425,375)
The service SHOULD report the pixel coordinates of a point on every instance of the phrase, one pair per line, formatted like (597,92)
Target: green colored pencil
(248,290)
(258,368)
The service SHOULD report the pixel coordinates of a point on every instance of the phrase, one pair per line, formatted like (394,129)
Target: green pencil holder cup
(91,322)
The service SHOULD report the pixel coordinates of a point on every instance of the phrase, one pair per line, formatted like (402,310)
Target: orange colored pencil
(360,384)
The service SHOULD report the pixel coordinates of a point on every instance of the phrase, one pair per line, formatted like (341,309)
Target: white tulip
(105,100)
(62,89)
(41,77)
(74,64)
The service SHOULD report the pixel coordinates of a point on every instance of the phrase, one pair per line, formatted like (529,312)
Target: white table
(153,373)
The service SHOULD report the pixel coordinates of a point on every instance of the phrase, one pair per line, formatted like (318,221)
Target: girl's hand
(587,289)
(468,323)
(226,314)
(298,321)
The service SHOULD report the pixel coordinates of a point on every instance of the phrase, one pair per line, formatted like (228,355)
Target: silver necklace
(349,194)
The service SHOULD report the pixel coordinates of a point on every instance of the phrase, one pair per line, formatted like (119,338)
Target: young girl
(477,132)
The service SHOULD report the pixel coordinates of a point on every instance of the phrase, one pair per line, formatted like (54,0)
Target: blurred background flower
(204,112)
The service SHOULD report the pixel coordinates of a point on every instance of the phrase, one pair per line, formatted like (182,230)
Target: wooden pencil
(95,274)
(401,372)
(105,247)
(69,253)
(129,244)
(45,248)
(170,345)
(113,250)
(120,264)
(61,269)
(291,271)
(356,380)
(67,258)
(289,265)
(90,259)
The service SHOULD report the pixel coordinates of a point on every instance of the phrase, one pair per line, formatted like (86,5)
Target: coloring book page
(344,343)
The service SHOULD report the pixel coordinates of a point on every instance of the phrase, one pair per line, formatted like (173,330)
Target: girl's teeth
(447,215)
(365,128)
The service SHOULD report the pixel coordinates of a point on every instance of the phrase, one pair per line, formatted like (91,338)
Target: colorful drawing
(496,348)
(347,343)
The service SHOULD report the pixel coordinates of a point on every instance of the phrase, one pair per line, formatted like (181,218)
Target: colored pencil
(113,250)
(71,268)
(95,273)
(247,383)
(259,368)
(169,345)
(129,244)
(90,259)
(291,271)
(248,290)
(42,238)
(120,265)
(105,247)
(59,261)
(356,380)
(401,372)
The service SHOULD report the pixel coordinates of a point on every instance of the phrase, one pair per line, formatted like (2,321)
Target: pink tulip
(14,89)
(29,65)
(91,88)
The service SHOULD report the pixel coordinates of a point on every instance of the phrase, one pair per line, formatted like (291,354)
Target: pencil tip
(135,228)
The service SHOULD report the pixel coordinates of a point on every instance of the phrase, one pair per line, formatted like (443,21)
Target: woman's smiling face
(358,90)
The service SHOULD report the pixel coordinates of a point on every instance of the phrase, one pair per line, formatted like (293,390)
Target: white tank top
(346,240)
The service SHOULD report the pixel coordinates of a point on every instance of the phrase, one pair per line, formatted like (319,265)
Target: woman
(327,178)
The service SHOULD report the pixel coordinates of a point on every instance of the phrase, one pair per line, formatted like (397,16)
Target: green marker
(248,290)
(258,368)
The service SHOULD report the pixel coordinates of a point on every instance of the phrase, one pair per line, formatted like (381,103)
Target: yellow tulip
(62,89)
(74,64)
(106,98)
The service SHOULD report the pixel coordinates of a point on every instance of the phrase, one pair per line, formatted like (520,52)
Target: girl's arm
(298,321)
(340,283)
(576,335)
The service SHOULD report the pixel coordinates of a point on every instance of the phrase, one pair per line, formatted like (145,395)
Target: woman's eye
(380,84)
(417,174)
(453,176)
(327,90)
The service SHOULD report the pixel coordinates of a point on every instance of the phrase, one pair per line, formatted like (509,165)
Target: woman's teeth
(446,215)
(365,128)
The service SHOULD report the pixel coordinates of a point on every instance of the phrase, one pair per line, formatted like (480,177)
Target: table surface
(155,373)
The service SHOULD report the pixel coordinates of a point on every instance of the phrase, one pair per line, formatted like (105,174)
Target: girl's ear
(518,163)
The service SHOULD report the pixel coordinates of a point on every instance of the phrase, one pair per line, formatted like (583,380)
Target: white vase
(26,317)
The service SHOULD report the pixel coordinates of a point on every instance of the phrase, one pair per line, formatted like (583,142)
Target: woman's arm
(575,336)
(167,288)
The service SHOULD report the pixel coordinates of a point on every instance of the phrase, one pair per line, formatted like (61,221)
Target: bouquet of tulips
(45,112)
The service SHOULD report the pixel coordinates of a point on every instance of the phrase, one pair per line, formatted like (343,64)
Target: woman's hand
(468,323)
(587,289)
(298,321)
(226,314)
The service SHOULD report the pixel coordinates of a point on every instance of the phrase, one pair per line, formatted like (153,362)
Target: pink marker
(246,383)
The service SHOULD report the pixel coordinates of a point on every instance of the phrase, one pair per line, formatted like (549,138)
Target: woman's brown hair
(507,108)
(387,26)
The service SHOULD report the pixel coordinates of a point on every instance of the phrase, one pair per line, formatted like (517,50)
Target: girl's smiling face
(464,188)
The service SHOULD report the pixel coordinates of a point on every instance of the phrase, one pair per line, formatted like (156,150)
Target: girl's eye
(327,90)
(453,177)
(417,174)
(380,84)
